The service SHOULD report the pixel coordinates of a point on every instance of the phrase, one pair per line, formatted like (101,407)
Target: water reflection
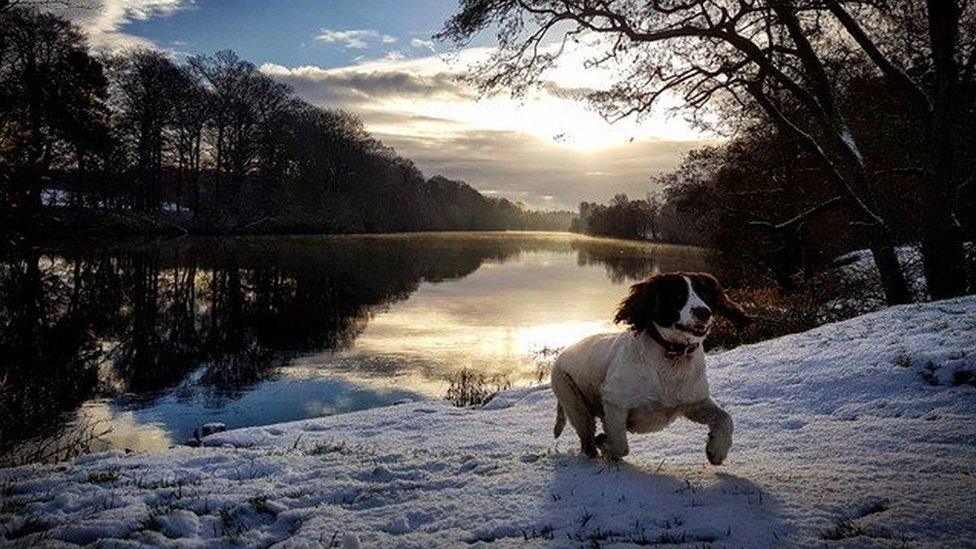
(155,339)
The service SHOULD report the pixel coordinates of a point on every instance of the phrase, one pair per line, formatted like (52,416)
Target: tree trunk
(853,188)
(892,279)
(943,253)
(944,259)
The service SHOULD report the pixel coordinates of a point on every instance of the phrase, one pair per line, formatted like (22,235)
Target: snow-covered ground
(858,433)
(858,272)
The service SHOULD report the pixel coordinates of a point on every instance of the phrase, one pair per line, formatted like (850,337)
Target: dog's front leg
(719,428)
(614,444)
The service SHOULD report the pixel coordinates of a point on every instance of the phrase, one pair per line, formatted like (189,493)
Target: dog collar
(672,350)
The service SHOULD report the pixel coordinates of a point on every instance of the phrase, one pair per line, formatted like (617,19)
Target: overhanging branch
(798,219)
(898,76)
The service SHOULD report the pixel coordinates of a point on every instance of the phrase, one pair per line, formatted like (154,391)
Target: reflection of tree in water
(49,356)
(632,261)
(79,323)
(618,269)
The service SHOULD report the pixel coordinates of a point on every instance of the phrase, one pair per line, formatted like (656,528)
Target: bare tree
(144,89)
(191,113)
(51,102)
(653,213)
(134,129)
(951,51)
(246,107)
(746,53)
(221,75)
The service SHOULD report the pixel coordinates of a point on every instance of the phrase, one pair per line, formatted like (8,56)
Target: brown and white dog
(640,380)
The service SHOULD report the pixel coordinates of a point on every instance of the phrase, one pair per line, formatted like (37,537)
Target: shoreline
(112,241)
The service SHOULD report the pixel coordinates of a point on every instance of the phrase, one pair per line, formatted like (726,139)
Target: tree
(205,145)
(191,112)
(621,218)
(758,54)
(222,75)
(246,110)
(935,106)
(653,202)
(6,5)
(145,86)
(52,110)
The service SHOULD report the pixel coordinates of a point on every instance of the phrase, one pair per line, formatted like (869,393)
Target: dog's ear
(720,301)
(637,310)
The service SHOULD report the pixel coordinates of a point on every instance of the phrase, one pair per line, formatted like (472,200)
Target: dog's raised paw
(717,448)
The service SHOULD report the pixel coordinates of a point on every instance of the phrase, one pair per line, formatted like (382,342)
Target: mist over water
(149,341)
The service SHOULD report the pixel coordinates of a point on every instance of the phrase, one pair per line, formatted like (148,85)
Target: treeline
(137,141)
(621,218)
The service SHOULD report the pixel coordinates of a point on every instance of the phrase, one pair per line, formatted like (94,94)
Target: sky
(376,58)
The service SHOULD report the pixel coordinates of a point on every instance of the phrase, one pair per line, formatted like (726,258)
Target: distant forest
(137,142)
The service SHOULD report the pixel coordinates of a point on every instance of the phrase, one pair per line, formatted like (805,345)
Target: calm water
(153,340)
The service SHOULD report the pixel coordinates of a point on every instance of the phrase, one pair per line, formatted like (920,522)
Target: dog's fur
(640,380)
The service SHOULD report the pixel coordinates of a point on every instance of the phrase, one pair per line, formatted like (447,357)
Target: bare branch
(898,76)
(814,148)
(900,171)
(800,218)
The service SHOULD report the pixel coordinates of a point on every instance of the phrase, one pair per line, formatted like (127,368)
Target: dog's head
(680,305)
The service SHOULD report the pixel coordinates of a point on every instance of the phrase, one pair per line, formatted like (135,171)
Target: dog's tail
(560,421)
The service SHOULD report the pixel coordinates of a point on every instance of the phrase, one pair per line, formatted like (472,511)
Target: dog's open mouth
(698,330)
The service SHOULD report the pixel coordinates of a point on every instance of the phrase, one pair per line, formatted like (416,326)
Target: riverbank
(858,431)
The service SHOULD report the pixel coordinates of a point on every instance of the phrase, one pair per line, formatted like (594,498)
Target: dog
(640,380)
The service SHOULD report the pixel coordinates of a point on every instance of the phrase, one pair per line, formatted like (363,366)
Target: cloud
(547,149)
(354,38)
(103,21)
(350,86)
(538,172)
(423,45)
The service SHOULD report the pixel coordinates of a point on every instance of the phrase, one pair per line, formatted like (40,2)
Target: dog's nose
(701,314)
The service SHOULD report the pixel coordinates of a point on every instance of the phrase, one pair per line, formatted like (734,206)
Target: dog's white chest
(642,379)
(630,386)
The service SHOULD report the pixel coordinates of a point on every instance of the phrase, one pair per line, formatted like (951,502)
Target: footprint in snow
(793,424)
(398,525)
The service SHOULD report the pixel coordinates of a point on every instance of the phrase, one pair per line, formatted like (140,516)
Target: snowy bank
(858,433)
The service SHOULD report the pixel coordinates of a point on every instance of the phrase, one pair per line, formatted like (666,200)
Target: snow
(859,433)
(858,270)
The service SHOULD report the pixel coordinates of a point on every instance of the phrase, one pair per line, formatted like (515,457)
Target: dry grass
(774,314)
(469,388)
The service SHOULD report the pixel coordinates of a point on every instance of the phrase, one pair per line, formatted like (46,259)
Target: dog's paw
(717,448)
(607,450)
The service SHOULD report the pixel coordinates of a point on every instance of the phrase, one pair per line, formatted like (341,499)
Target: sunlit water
(265,330)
